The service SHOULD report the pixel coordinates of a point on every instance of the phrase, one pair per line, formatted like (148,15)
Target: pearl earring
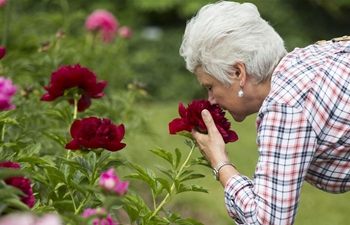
(240,94)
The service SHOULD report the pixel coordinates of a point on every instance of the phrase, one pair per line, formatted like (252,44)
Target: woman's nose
(212,100)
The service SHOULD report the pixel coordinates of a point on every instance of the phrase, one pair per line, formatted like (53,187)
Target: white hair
(223,33)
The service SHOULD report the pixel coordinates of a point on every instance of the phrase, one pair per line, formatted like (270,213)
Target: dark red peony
(67,77)
(2,52)
(192,118)
(21,183)
(95,133)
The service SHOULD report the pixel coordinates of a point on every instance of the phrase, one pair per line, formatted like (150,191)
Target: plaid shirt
(303,134)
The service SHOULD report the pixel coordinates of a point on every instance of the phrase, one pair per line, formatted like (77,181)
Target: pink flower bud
(125,32)
(3,3)
(101,216)
(30,219)
(110,182)
(102,21)
(7,90)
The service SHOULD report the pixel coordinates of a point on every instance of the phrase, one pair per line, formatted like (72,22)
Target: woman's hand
(211,145)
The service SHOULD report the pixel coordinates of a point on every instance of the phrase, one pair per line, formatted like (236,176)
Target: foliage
(36,133)
(66,182)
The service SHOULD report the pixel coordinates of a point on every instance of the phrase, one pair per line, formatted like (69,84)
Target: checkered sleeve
(286,144)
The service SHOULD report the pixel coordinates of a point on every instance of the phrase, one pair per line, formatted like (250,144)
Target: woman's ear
(240,72)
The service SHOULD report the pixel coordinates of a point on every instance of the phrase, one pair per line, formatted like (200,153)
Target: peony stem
(72,197)
(92,182)
(77,211)
(7,23)
(3,133)
(75,106)
(169,196)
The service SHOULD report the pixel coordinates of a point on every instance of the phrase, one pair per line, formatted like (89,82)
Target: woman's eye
(209,88)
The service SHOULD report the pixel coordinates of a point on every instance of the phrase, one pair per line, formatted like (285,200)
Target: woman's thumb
(208,120)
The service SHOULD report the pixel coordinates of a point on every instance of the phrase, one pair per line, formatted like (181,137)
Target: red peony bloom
(67,77)
(2,51)
(21,183)
(95,133)
(192,118)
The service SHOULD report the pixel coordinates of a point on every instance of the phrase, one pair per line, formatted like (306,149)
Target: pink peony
(110,182)
(3,3)
(104,22)
(7,90)
(102,217)
(30,219)
(21,183)
(125,32)
(2,48)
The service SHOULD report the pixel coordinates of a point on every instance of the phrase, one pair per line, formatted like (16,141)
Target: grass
(316,207)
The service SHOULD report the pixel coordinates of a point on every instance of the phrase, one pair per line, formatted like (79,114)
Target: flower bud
(110,182)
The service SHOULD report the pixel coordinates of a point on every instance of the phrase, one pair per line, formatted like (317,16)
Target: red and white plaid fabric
(303,134)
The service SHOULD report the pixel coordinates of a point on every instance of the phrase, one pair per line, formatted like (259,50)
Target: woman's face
(226,96)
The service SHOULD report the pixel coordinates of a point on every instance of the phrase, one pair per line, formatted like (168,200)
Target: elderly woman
(303,103)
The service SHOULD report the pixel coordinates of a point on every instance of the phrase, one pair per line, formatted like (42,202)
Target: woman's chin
(237,118)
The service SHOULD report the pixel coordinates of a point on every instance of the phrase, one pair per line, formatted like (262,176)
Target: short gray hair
(223,33)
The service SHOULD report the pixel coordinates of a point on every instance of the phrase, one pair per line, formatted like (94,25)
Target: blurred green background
(149,61)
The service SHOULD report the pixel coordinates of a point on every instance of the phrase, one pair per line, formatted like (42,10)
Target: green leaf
(165,185)
(190,143)
(74,164)
(192,176)
(35,160)
(16,203)
(188,221)
(54,174)
(7,173)
(77,187)
(8,191)
(7,113)
(167,172)
(83,163)
(164,154)
(41,178)
(32,149)
(196,188)
(186,172)
(133,205)
(178,158)
(113,201)
(156,220)
(132,212)
(8,144)
(8,121)
(199,161)
(174,216)
(113,163)
(59,139)
(185,134)
(105,156)
(45,208)
(145,175)
(64,205)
